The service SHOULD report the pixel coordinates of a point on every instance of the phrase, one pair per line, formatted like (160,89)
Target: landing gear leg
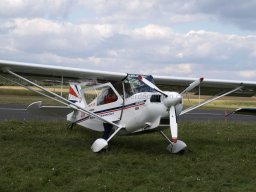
(100,144)
(70,126)
(107,130)
(177,147)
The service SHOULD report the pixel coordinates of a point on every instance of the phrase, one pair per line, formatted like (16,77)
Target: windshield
(133,85)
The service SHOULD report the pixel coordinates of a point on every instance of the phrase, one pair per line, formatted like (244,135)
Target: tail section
(76,95)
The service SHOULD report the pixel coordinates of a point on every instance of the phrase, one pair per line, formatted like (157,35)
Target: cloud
(39,8)
(110,46)
(152,32)
(112,6)
(132,36)
(161,12)
(41,35)
(177,69)
(248,74)
(237,12)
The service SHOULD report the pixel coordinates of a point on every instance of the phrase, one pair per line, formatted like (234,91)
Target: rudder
(75,95)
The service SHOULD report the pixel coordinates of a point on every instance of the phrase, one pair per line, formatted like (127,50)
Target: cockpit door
(105,101)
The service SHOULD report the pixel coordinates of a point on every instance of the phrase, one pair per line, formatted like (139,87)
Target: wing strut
(58,98)
(210,100)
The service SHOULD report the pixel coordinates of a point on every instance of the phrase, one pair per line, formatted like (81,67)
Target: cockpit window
(106,95)
(100,95)
(133,85)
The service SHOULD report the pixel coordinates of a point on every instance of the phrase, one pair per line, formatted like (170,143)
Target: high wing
(40,70)
(207,87)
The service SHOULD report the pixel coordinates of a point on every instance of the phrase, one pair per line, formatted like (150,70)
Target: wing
(39,70)
(208,86)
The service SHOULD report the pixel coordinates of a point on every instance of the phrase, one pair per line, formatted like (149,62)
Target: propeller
(173,124)
(151,85)
(192,85)
(171,99)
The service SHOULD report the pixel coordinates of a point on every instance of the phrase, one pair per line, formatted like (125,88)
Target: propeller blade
(173,124)
(193,85)
(151,85)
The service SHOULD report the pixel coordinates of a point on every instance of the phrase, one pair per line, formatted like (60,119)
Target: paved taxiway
(18,112)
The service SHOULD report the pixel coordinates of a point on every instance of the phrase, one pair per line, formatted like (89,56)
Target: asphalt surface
(10,112)
(18,112)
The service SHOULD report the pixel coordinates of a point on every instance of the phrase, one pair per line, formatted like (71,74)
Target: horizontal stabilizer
(244,111)
(36,108)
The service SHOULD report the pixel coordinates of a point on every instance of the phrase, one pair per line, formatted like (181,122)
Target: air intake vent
(155,98)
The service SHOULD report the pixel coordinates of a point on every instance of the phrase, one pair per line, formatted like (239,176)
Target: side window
(106,95)
(128,89)
(90,95)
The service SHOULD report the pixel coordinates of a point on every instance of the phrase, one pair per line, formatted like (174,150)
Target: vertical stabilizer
(75,95)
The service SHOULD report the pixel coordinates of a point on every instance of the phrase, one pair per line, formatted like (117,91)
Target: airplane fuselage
(140,112)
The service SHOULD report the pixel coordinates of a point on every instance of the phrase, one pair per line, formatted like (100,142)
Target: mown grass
(42,156)
(16,95)
(232,103)
(25,100)
(16,90)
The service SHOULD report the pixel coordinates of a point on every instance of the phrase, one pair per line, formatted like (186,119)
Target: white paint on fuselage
(138,113)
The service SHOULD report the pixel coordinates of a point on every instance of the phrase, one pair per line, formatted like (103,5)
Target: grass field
(41,156)
(44,156)
(20,95)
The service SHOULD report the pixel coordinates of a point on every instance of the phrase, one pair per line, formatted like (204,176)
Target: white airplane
(120,103)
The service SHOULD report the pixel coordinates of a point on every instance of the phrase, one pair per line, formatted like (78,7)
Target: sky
(185,38)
